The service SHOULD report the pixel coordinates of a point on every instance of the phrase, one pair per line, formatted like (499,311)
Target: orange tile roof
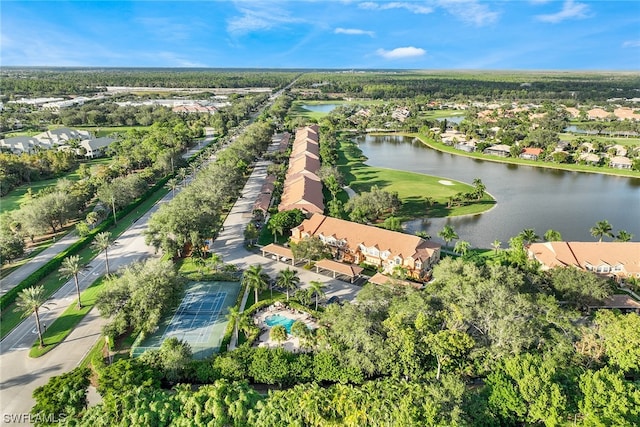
(304,193)
(302,187)
(398,244)
(381,279)
(581,254)
(532,151)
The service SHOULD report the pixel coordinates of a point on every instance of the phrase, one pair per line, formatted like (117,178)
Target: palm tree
(288,279)
(102,242)
(496,245)
(317,288)
(71,267)
(30,300)
(529,236)
(256,279)
(278,333)
(215,261)
(552,236)
(462,247)
(602,228)
(623,236)
(172,184)
(233,316)
(276,228)
(448,234)
(479,188)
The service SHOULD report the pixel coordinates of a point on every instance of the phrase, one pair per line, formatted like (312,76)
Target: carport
(349,270)
(279,252)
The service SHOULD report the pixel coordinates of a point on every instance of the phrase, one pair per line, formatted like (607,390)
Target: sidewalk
(17,276)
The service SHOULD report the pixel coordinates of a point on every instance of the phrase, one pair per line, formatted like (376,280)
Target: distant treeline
(63,81)
(483,86)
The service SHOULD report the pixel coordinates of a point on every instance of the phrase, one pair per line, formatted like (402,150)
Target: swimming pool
(278,319)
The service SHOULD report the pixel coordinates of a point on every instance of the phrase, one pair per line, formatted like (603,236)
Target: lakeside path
(16,277)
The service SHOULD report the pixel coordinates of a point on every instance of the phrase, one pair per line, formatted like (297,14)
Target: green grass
(63,325)
(412,188)
(518,161)
(17,196)
(100,131)
(12,316)
(297,110)
(631,142)
(440,114)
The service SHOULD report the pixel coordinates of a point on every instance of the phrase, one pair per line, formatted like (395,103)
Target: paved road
(24,271)
(19,374)
(17,276)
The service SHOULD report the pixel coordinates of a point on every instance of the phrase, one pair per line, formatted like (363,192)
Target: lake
(320,108)
(528,197)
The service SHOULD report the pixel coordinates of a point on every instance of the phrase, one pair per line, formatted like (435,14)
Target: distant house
(401,114)
(358,243)
(95,147)
(620,260)
(469,146)
(620,162)
(57,139)
(531,153)
(589,158)
(498,150)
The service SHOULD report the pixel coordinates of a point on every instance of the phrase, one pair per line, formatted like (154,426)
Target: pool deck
(292,343)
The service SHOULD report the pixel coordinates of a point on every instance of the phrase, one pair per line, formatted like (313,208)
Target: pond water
(320,108)
(528,197)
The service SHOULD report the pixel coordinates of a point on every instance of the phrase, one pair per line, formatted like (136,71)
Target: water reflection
(528,197)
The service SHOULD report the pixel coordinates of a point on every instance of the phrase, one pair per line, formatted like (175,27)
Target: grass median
(12,316)
(63,325)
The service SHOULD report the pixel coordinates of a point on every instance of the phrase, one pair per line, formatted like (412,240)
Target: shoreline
(512,161)
(363,160)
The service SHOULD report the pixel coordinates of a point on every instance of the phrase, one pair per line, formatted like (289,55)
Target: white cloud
(411,7)
(259,17)
(631,43)
(354,32)
(570,10)
(470,11)
(401,52)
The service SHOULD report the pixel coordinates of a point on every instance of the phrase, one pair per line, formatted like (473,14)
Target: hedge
(53,264)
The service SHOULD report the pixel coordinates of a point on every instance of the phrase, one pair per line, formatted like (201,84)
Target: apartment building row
(302,188)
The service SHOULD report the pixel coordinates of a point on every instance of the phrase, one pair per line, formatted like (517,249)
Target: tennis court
(199,320)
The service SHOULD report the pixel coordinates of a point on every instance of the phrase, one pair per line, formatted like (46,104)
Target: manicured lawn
(561,166)
(605,139)
(63,325)
(13,200)
(11,316)
(412,188)
(439,114)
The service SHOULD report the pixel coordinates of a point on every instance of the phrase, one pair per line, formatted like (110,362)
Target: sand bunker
(445,182)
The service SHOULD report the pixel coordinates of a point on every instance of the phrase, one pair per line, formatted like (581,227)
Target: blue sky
(427,34)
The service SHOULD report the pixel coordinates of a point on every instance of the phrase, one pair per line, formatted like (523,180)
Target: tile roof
(302,187)
(579,254)
(398,244)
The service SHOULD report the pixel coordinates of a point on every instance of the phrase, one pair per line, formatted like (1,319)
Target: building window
(398,260)
(603,269)
(385,254)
